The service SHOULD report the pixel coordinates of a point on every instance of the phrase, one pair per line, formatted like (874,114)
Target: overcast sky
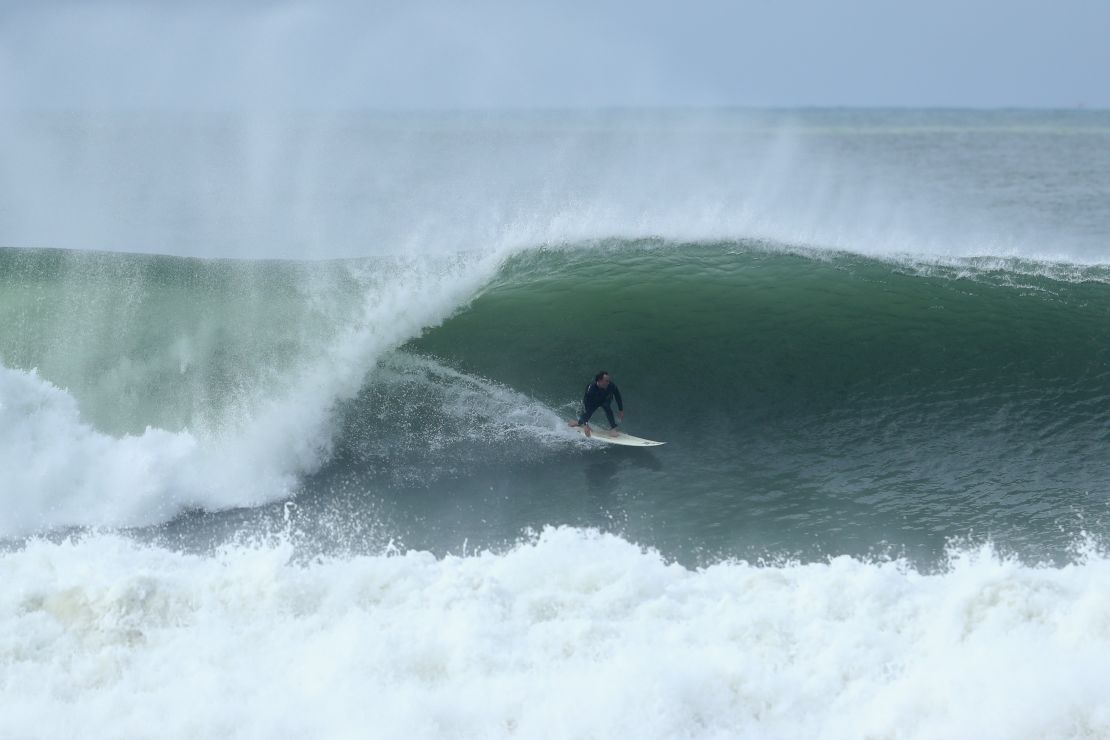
(590,53)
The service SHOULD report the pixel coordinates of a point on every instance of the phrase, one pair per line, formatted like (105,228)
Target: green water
(811,402)
(165,341)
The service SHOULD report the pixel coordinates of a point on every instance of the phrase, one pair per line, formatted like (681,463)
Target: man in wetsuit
(600,394)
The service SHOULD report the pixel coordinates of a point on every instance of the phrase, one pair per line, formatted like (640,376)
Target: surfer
(600,394)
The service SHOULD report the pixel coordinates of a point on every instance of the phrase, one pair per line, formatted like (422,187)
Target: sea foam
(571,633)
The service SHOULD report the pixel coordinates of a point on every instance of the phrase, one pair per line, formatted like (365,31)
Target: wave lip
(253,443)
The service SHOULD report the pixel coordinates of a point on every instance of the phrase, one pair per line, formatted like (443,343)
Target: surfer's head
(602,379)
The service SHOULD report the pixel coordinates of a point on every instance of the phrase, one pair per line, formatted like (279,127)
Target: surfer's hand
(621,415)
(588,430)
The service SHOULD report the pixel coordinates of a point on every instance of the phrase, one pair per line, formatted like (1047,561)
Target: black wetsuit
(600,398)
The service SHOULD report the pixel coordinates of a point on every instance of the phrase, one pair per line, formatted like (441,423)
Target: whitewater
(283,447)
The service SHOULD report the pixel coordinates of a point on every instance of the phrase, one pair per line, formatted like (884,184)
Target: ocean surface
(283,440)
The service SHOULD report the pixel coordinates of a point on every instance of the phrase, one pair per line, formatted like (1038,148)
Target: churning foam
(572,634)
(57,470)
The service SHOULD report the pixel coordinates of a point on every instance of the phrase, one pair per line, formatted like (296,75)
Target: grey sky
(575,53)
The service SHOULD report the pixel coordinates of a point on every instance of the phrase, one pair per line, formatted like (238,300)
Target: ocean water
(283,442)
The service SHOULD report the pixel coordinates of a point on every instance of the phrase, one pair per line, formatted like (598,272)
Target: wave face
(834,399)
(812,402)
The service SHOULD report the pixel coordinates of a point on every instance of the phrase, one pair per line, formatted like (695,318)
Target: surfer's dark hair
(600,375)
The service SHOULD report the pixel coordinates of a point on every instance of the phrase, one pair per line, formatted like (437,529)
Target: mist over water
(294,389)
(351,185)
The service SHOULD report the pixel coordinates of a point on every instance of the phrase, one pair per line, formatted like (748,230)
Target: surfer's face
(604,382)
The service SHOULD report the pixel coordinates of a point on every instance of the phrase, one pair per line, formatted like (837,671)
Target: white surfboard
(617,437)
